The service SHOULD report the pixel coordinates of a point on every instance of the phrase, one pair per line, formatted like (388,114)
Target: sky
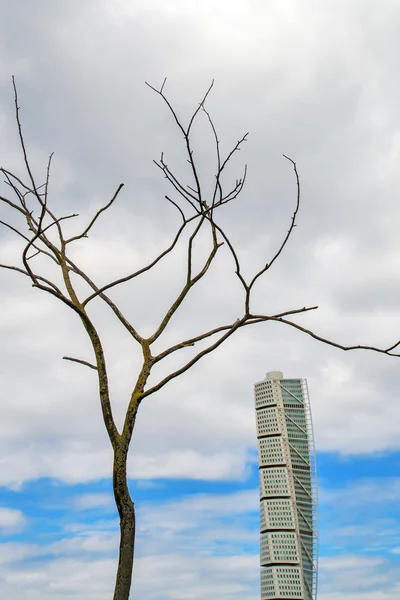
(316,81)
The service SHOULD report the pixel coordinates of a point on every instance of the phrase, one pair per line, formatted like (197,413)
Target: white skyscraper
(288,489)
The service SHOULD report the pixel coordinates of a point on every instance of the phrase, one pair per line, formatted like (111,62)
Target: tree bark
(126,510)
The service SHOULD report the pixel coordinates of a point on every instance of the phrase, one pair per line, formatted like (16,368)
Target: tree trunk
(126,510)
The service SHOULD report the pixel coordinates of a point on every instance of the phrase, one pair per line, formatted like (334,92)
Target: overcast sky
(317,81)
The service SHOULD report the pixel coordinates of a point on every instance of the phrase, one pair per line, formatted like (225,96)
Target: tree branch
(285,240)
(55,291)
(175,182)
(21,137)
(36,236)
(186,132)
(190,281)
(108,286)
(387,351)
(81,362)
(192,362)
(96,216)
(241,322)
(24,237)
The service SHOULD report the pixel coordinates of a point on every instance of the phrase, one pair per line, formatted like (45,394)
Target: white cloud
(200,523)
(192,465)
(318,83)
(11,520)
(180,537)
(357,577)
(202,546)
(391,594)
(349,562)
(88,501)
(375,491)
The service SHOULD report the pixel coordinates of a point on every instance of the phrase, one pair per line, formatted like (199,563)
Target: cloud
(349,562)
(357,577)
(360,517)
(204,544)
(374,491)
(317,83)
(11,520)
(89,501)
(202,524)
(181,537)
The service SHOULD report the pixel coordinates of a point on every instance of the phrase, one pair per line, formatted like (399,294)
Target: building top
(274,375)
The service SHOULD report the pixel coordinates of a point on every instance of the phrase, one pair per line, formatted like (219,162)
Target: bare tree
(45,237)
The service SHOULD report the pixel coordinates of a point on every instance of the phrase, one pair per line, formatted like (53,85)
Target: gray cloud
(318,83)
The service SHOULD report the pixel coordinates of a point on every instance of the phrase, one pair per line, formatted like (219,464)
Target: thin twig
(190,281)
(387,351)
(24,237)
(55,290)
(143,269)
(10,203)
(178,207)
(81,362)
(37,236)
(45,196)
(285,240)
(21,137)
(241,322)
(176,185)
(96,216)
(191,362)
(186,132)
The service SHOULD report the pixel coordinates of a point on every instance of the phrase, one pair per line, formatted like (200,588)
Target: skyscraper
(288,489)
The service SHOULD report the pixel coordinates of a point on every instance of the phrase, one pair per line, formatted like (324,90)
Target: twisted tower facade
(288,489)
